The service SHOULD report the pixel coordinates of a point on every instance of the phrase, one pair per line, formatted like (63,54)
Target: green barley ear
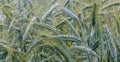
(28,28)
(66,38)
(49,11)
(47,26)
(69,13)
(86,49)
(111,45)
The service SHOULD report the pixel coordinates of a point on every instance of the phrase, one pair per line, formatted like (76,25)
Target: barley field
(59,30)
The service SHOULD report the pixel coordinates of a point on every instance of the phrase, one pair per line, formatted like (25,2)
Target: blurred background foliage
(59,30)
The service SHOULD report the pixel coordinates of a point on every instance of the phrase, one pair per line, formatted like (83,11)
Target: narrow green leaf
(96,45)
(94,15)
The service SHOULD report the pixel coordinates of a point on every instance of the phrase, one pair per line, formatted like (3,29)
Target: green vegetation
(59,30)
